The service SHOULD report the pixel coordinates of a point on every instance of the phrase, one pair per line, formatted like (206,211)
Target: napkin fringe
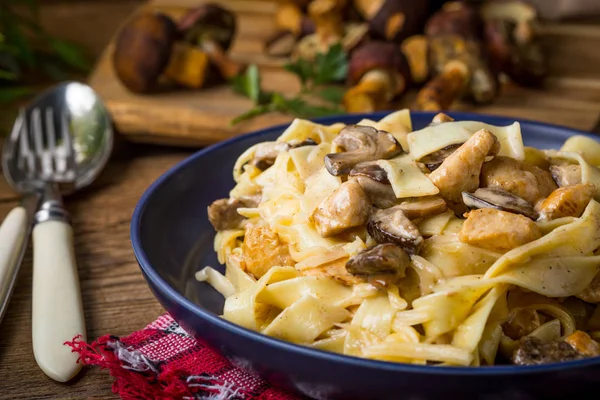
(136,377)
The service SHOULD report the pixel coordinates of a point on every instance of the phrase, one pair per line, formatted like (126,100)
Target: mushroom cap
(499,199)
(377,55)
(208,22)
(393,226)
(143,49)
(384,258)
(455,18)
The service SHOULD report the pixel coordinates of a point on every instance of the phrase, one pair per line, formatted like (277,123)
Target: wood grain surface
(186,117)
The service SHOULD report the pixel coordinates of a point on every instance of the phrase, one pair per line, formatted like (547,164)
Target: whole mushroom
(393,20)
(212,29)
(146,49)
(379,72)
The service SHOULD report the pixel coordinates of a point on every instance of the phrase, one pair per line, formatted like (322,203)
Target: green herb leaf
(69,54)
(15,36)
(8,75)
(332,94)
(303,69)
(332,66)
(248,84)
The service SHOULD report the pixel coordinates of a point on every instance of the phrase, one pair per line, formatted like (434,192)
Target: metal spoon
(64,141)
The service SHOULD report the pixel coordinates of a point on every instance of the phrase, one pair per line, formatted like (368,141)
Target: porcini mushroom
(512,41)
(500,200)
(379,72)
(393,226)
(393,20)
(212,28)
(434,160)
(566,174)
(146,49)
(266,153)
(383,259)
(360,144)
(416,49)
(423,207)
(375,183)
(292,25)
(347,207)
(457,58)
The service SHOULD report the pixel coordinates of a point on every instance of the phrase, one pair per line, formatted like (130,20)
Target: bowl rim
(178,298)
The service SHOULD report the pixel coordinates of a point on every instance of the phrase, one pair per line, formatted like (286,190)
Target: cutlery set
(59,144)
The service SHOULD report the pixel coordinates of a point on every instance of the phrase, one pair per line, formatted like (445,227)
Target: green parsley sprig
(315,79)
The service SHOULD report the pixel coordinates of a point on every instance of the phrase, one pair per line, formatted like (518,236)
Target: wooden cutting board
(197,118)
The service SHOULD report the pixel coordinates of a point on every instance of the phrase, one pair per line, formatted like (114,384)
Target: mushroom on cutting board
(146,49)
(346,207)
(383,259)
(499,199)
(378,72)
(459,172)
(393,226)
(393,20)
(360,144)
(497,230)
(212,28)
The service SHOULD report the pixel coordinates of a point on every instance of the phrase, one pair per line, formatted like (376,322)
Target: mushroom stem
(415,49)
(440,92)
(327,15)
(226,66)
(374,91)
(290,18)
(188,66)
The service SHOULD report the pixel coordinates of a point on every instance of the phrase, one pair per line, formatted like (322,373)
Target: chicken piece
(566,174)
(519,178)
(347,207)
(521,323)
(568,201)
(497,230)
(262,249)
(592,293)
(460,170)
(584,344)
(336,270)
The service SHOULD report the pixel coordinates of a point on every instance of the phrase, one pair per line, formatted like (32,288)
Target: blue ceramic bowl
(172,239)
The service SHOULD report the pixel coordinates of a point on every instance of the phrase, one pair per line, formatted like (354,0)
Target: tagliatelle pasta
(335,237)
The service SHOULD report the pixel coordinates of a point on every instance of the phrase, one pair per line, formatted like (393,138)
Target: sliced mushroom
(266,153)
(460,171)
(566,174)
(500,200)
(534,351)
(360,144)
(375,183)
(568,201)
(222,213)
(372,170)
(423,207)
(434,160)
(347,207)
(393,226)
(383,259)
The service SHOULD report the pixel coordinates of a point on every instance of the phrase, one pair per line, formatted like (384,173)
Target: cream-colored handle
(57,314)
(13,232)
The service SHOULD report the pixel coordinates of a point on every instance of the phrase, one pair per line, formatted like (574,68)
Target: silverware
(64,141)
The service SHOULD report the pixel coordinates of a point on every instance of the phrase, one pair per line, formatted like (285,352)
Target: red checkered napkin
(163,362)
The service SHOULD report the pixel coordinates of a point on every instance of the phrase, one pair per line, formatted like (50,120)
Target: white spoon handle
(13,234)
(57,314)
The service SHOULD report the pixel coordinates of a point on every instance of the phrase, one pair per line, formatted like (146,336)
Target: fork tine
(25,153)
(37,131)
(51,156)
(67,142)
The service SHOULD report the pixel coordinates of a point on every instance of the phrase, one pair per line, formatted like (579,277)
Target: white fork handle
(57,314)
(13,232)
